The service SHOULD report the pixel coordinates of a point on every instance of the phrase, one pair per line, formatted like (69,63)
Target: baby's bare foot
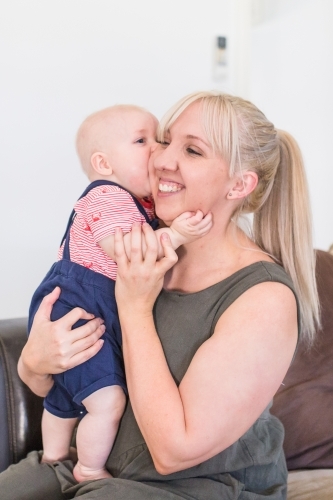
(82,473)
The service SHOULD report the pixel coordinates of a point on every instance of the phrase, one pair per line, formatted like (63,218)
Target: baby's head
(114,144)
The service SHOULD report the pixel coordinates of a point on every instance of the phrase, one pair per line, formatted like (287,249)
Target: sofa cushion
(314,484)
(304,403)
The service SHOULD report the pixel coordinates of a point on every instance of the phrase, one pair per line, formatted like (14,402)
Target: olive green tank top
(254,466)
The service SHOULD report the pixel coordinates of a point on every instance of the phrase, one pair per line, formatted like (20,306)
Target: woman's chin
(165,215)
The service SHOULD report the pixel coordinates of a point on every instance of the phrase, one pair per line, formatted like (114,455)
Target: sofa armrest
(20,409)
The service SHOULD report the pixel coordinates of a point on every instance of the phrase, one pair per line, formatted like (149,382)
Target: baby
(114,147)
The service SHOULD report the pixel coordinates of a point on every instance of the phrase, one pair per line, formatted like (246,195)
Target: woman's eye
(141,141)
(163,143)
(193,152)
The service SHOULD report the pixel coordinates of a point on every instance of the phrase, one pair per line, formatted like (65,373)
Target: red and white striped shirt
(97,215)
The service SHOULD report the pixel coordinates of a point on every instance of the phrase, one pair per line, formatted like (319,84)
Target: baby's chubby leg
(57,435)
(97,431)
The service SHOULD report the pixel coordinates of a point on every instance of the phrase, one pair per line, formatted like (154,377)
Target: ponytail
(282,227)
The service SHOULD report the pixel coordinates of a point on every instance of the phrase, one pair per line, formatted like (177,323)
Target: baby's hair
(282,227)
(91,138)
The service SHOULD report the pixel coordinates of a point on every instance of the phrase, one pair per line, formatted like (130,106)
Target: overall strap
(154,223)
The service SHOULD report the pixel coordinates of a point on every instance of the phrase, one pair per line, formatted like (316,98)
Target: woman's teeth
(167,188)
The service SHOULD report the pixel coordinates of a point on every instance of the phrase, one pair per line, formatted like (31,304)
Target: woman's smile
(166,187)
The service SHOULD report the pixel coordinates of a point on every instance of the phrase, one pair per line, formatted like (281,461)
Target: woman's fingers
(73,316)
(142,237)
(86,353)
(119,249)
(170,257)
(86,335)
(136,243)
(80,343)
(45,308)
(151,244)
(71,347)
(55,345)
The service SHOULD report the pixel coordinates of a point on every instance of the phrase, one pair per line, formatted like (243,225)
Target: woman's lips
(169,187)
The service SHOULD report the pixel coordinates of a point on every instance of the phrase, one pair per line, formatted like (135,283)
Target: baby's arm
(107,244)
(187,227)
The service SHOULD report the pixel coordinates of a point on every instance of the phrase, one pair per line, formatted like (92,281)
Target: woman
(209,333)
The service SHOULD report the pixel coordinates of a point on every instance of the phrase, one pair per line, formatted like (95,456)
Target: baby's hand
(190,226)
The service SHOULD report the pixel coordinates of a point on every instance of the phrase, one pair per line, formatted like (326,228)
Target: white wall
(61,60)
(291,80)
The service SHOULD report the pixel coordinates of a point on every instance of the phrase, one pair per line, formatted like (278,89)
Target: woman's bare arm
(230,381)
(53,347)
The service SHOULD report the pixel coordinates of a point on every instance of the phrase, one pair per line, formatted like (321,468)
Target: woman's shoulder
(266,273)
(243,277)
(262,271)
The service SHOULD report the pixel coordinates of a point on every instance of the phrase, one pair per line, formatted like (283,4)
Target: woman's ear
(245,183)
(99,162)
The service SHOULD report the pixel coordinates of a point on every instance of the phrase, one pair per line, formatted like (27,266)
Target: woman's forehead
(189,122)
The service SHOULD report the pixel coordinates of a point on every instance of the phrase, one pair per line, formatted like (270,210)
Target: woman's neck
(211,259)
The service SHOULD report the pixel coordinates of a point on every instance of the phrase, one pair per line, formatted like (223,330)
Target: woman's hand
(53,347)
(140,276)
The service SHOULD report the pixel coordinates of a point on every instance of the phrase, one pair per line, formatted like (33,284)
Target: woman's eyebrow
(190,136)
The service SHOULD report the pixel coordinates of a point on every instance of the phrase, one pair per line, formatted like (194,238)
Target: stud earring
(230,194)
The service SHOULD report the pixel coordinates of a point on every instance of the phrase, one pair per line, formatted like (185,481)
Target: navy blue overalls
(94,292)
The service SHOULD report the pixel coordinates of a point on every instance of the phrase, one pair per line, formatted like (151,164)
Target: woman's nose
(164,159)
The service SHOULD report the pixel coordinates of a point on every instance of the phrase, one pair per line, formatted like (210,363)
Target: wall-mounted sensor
(220,64)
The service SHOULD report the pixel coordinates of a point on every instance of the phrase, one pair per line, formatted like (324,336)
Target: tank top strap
(153,223)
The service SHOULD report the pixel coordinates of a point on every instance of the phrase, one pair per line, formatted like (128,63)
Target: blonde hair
(242,135)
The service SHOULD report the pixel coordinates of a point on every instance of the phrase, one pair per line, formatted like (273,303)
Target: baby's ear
(99,162)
